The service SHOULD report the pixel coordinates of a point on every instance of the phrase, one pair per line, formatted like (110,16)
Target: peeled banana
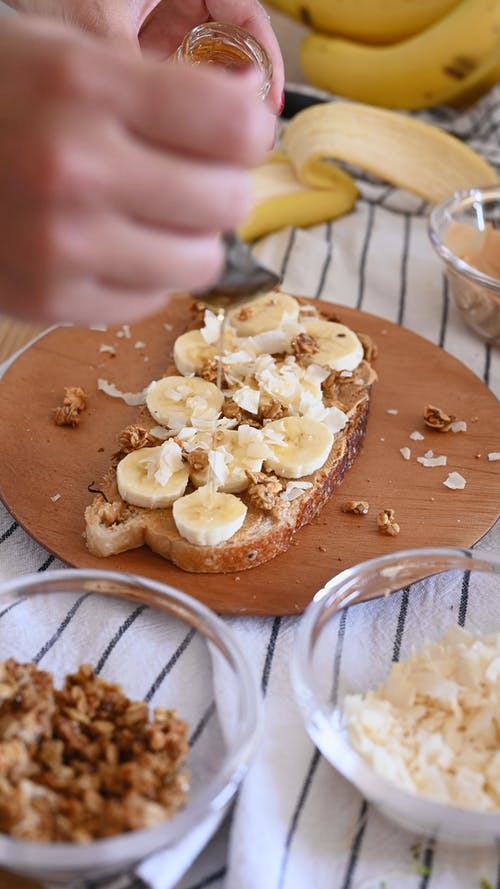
(399,149)
(452,55)
(371,21)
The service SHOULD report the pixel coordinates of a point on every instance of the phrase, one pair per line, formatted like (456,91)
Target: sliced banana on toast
(267,312)
(152,477)
(184,401)
(207,517)
(299,446)
(338,347)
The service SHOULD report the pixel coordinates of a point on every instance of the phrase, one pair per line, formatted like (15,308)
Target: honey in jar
(228,46)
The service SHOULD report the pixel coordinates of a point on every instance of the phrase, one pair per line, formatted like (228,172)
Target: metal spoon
(243,277)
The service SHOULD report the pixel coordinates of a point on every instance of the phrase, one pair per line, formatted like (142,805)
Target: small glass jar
(229,46)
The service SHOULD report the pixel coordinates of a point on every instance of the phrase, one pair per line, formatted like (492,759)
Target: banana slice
(299,445)
(268,312)
(192,351)
(138,474)
(236,451)
(338,346)
(207,518)
(179,401)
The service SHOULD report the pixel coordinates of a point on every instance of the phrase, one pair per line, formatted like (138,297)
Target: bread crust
(263,535)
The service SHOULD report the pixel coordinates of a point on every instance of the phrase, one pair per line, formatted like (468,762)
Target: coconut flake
(335,419)
(455,481)
(102,328)
(430,460)
(124,331)
(392,410)
(416,436)
(139,345)
(248,399)
(55,498)
(104,347)
(458,426)
(494,455)
(211,330)
(130,398)
(163,465)
(405,453)
(295,489)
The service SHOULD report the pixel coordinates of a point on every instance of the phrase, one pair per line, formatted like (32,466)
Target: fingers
(132,256)
(201,112)
(252,16)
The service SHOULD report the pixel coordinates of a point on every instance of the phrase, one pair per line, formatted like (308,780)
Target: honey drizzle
(211,477)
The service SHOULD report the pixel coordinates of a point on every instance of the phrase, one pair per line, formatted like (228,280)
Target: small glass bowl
(162,646)
(228,46)
(476,294)
(410,598)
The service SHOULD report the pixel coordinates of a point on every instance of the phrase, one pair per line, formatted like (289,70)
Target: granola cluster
(74,402)
(134,437)
(84,762)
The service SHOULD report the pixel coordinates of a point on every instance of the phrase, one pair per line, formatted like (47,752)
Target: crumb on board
(386,522)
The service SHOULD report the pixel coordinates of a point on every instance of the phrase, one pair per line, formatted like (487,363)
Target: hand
(110,193)
(170,20)
(160,25)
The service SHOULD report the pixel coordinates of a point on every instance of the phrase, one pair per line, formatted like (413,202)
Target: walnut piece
(264,490)
(435,418)
(197,459)
(233,411)
(359,507)
(303,345)
(85,761)
(74,402)
(386,522)
(272,410)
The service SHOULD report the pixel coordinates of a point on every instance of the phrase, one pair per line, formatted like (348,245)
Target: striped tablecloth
(297,823)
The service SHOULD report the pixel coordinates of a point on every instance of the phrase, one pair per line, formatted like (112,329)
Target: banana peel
(302,185)
(280,199)
(401,150)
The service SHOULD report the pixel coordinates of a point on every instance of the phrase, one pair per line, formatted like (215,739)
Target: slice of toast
(272,520)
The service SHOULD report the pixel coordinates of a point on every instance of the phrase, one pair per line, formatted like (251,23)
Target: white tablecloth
(296,823)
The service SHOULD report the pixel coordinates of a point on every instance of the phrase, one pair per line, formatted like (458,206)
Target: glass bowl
(457,229)
(356,627)
(161,646)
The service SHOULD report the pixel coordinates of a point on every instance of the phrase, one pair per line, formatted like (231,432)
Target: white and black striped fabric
(296,822)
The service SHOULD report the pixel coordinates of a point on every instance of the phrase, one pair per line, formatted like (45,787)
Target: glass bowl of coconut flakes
(396,670)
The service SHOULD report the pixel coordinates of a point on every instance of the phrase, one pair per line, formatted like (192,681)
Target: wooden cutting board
(40,460)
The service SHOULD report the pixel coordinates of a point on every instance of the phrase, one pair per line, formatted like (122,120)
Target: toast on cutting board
(219,480)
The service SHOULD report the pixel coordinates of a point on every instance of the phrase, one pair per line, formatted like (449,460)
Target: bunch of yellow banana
(400,53)
(302,185)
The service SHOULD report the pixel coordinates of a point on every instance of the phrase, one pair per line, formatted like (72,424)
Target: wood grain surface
(41,460)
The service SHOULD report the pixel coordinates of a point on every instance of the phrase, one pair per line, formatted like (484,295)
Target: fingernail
(282,103)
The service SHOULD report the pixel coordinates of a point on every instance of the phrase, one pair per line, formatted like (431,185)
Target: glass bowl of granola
(395,669)
(128,715)
(465,233)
